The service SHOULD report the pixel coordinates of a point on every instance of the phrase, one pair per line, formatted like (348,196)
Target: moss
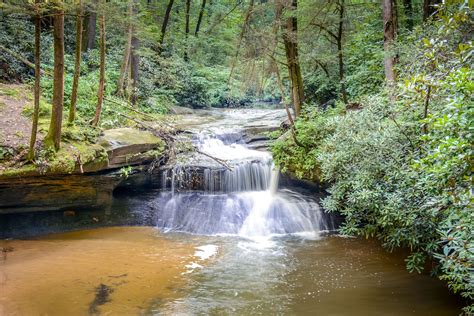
(24,170)
(16,92)
(44,109)
(68,158)
(128,136)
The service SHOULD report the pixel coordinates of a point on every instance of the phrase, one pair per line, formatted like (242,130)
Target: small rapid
(242,198)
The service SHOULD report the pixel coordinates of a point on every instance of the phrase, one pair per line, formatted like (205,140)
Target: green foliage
(44,109)
(402,171)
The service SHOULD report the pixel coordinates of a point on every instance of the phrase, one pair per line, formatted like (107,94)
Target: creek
(217,241)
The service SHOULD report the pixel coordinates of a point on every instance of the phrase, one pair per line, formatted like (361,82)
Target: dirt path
(15,128)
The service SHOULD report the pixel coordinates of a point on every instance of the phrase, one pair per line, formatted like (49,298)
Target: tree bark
(53,138)
(388,39)
(34,128)
(126,56)
(428,8)
(165,25)
(201,14)
(290,39)
(100,92)
(77,66)
(186,36)
(339,51)
(91,29)
(134,61)
(408,8)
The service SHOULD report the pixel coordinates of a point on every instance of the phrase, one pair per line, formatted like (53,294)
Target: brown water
(144,272)
(60,274)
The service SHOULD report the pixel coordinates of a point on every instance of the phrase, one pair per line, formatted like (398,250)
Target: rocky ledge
(85,179)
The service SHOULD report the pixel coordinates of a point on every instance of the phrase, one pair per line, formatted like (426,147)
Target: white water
(206,198)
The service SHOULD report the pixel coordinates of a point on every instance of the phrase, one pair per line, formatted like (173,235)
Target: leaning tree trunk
(77,66)
(199,21)
(126,55)
(34,128)
(100,92)
(388,39)
(290,39)
(165,25)
(241,36)
(53,138)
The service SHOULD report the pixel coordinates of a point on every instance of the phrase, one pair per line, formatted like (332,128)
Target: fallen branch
(138,112)
(218,160)
(22,59)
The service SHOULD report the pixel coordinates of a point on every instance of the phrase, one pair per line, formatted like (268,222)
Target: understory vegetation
(379,97)
(399,165)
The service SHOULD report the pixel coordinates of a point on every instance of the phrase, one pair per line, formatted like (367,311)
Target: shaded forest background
(381,93)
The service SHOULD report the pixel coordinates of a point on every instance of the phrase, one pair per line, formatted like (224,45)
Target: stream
(216,239)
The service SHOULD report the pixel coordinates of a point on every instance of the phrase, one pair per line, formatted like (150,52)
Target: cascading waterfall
(203,197)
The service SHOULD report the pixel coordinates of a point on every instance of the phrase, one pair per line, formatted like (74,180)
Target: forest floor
(15,128)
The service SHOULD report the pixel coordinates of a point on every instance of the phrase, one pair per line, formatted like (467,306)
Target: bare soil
(15,128)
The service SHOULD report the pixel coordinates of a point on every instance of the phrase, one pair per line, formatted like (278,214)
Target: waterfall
(202,197)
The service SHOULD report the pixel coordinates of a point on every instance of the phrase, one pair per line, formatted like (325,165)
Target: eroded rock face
(31,194)
(128,146)
(65,191)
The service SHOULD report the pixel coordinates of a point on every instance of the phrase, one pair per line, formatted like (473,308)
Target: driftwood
(218,160)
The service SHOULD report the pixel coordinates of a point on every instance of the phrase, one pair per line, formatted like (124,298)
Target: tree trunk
(165,25)
(290,38)
(201,14)
(126,55)
(34,128)
(389,37)
(100,92)
(186,44)
(428,8)
(134,62)
(77,66)
(91,29)
(339,51)
(53,138)
(407,5)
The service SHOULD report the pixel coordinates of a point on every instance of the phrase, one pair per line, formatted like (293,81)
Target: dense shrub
(401,168)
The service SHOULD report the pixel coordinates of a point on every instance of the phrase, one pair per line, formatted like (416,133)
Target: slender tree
(134,59)
(340,8)
(77,66)
(165,25)
(388,39)
(290,39)
(100,92)
(34,128)
(126,55)
(186,43)
(248,13)
(201,14)
(53,138)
